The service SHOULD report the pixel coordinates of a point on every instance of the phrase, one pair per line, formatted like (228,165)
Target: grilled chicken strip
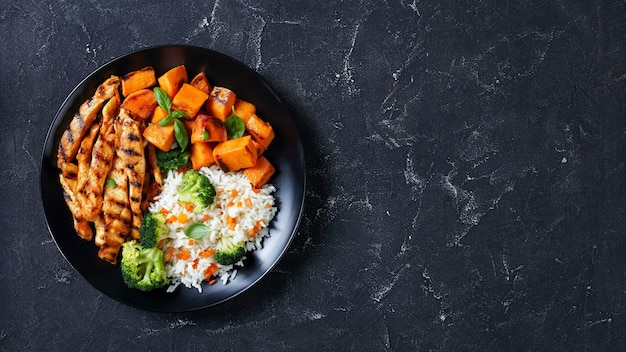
(113,223)
(131,151)
(89,192)
(153,183)
(83,229)
(84,156)
(87,113)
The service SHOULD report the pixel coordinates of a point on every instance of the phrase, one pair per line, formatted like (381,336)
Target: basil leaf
(163,99)
(179,114)
(166,120)
(197,230)
(205,135)
(180,132)
(234,125)
(111,183)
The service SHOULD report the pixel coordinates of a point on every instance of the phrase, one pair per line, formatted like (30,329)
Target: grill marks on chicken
(113,223)
(104,171)
(131,152)
(84,118)
(90,191)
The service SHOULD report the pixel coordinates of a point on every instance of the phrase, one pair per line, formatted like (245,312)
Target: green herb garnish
(180,132)
(234,125)
(197,230)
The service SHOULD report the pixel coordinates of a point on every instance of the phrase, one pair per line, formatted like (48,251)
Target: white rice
(235,198)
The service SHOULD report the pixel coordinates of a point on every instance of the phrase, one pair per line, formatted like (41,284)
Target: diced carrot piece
(260,173)
(172,80)
(201,82)
(260,130)
(136,80)
(161,137)
(220,103)
(207,253)
(201,155)
(214,128)
(195,263)
(182,218)
(231,222)
(183,254)
(170,253)
(244,109)
(140,104)
(235,154)
(189,207)
(189,100)
(190,242)
(210,270)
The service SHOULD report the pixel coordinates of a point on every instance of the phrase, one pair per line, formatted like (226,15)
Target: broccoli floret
(229,252)
(153,229)
(197,190)
(172,160)
(143,268)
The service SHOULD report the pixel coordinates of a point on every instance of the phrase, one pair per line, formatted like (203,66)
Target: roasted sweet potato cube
(260,130)
(208,129)
(235,154)
(140,104)
(260,173)
(201,155)
(158,115)
(220,103)
(136,80)
(244,109)
(161,137)
(189,100)
(172,80)
(201,82)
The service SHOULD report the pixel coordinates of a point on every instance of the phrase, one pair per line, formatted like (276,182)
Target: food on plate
(166,171)
(143,268)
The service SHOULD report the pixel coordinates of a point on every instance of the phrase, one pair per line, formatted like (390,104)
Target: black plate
(285,153)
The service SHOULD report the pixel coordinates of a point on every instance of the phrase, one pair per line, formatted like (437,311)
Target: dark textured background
(466,179)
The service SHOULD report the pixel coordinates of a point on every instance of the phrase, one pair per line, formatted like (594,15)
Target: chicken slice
(82,227)
(84,155)
(113,223)
(89,193)
(131,151)
(82,120)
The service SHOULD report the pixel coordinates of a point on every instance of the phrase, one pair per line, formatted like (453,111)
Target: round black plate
(285,153)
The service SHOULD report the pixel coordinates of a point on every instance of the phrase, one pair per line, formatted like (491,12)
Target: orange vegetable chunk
(235,154)
(161,137)
(189,100)
(260,130)
(244,109)
(260,173)
(172,80)
(140,104)
(136,80)
(214,128)
(201,155)
(158,114)
(201,82)
(220,103)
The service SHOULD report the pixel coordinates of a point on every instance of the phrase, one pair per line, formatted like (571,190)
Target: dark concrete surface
(465,167)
